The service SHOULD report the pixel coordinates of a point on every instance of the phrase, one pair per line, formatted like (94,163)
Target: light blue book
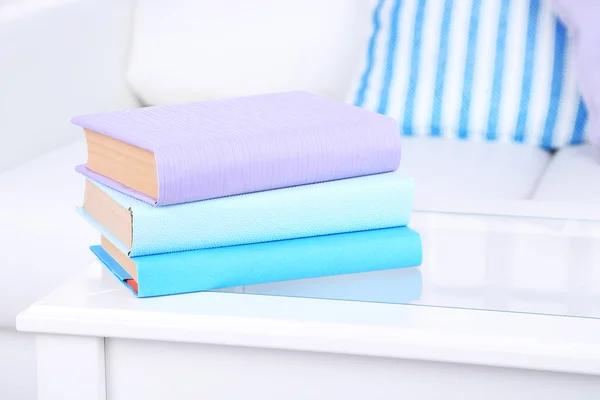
(137,228)
(250,264)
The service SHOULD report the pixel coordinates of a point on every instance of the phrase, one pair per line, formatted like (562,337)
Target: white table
(503,307)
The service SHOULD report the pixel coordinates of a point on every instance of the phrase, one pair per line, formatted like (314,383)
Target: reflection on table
(402,285)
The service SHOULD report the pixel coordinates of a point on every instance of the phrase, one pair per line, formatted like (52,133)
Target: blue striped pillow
(495,70)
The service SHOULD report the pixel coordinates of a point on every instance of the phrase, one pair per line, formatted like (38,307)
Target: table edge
(560,350)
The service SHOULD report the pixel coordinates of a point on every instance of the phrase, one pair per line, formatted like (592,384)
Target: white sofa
(66,57)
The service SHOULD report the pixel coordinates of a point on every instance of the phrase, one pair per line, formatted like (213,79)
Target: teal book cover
(250,264)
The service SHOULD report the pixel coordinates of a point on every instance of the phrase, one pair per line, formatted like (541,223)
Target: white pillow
(186,50)
(58,59)
(496,70)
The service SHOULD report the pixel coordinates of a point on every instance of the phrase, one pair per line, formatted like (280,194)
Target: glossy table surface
(483,262)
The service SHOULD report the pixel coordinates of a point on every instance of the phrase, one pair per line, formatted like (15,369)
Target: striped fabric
(494,70)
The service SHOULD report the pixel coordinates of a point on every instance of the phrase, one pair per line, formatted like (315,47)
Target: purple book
(218,148)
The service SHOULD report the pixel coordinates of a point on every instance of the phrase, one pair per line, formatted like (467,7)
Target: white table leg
(70,367)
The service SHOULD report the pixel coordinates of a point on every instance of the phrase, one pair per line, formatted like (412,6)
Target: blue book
(249,264)
(348,205)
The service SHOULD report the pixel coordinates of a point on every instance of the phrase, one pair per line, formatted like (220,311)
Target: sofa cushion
(456,170)
(200,49)
(44,240)
(572,176)
(491,70)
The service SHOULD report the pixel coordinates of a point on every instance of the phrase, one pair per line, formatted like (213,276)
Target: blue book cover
(249,264)
(348,205)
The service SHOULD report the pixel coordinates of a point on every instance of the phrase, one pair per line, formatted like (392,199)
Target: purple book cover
(219,148)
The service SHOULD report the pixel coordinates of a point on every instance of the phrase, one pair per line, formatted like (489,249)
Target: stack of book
(257,189)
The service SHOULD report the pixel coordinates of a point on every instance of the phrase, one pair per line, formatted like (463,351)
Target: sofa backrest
(196,50)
